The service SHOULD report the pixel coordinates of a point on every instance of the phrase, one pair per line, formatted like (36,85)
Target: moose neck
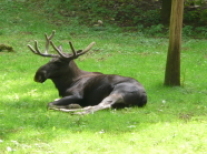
(74,71)
(65,80)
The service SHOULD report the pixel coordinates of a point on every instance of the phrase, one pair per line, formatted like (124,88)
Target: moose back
(85,92)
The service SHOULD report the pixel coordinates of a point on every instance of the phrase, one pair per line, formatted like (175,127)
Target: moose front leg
(68,102)
(106,103)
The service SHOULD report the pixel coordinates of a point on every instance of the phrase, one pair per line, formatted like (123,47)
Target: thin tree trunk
(172,73)
(165,11)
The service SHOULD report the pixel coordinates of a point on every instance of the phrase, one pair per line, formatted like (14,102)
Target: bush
(124,12)
(129,14)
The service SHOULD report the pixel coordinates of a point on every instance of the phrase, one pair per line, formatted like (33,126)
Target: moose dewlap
(85,92)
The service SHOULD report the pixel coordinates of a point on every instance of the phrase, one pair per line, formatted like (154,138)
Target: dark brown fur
(88,88)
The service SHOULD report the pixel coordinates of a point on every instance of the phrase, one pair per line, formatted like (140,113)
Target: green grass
(174,120)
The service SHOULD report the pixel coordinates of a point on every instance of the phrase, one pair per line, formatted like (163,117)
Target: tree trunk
(165,11)
(172,73)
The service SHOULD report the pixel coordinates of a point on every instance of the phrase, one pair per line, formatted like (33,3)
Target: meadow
(173,122)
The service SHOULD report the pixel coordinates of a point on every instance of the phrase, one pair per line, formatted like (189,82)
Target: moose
(85,92)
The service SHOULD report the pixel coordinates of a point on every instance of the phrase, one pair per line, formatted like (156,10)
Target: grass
(174,121)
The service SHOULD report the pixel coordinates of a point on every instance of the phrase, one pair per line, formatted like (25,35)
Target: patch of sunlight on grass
(168,139)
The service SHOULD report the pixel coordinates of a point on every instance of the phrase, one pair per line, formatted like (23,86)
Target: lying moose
(92,91)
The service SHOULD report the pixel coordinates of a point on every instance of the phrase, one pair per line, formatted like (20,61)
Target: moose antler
(59,49)
(36,49)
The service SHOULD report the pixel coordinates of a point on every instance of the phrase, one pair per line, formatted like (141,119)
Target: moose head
(92,91)
(59,63)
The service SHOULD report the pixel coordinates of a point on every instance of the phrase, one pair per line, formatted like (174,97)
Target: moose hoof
(74,106)
(52,107)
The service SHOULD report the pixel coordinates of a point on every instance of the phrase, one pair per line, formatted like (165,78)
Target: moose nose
(40,76)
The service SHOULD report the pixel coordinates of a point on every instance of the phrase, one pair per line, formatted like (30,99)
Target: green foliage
(188,30)
(141,16)
(195,32)
(195,12)
(129,15)
(202,30)
(194,2)
(155,29)
(150,16)
(196,17)
(123,11)
(203,16)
